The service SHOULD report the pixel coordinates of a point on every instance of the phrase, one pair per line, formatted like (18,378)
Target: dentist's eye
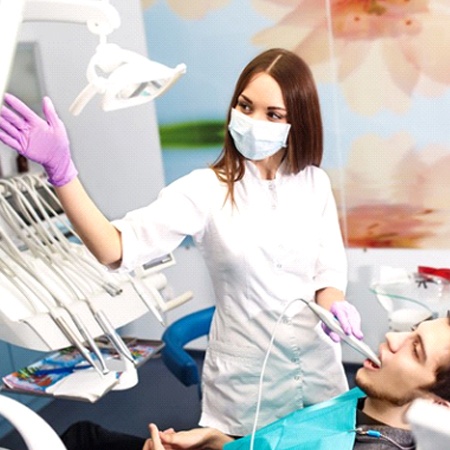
(276,116)
(243,106)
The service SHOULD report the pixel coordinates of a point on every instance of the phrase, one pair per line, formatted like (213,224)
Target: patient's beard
(378,393)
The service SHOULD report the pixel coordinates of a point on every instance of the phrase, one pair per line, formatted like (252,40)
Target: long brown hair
(305,141)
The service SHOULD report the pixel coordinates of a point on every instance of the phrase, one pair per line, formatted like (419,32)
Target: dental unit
(55,294)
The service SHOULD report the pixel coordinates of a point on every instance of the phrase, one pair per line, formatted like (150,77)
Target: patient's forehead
(437,334)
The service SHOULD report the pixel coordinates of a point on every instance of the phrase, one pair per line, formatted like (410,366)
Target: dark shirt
(390,437)
(90,436)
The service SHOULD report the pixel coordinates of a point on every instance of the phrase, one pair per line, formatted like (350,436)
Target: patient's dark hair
(441,387)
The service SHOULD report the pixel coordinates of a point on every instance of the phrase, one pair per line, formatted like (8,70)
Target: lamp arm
(100,16)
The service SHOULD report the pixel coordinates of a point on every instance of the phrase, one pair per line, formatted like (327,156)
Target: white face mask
(257,139)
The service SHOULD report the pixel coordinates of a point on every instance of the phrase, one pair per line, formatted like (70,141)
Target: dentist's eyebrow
(246,99)
(279,108)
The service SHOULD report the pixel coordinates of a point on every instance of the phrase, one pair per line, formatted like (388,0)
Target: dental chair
(35,431)
(176,336)
(429,424)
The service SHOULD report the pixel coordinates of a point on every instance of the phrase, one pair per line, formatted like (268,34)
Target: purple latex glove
(349,319)
(42,141)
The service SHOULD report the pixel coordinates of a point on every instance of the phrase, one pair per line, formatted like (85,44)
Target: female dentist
(264,218)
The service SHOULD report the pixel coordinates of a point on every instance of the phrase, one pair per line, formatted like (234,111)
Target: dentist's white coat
(281,241)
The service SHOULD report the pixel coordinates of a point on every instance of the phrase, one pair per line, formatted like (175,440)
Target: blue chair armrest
(176,336)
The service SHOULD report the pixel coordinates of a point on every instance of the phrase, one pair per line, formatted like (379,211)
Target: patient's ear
(432,398)
(439,401)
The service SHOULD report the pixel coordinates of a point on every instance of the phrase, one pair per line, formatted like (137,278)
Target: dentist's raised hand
(42,141)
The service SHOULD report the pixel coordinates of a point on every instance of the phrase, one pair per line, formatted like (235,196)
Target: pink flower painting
(384,50)
(394,194)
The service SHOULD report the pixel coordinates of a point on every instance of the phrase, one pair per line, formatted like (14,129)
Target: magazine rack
(65,374)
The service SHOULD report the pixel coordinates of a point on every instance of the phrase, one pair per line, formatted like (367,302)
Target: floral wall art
(383,73)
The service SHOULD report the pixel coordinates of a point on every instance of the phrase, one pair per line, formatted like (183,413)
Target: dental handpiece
(140,289)
(333,324)
(70,335)
(113,336)
(90,341)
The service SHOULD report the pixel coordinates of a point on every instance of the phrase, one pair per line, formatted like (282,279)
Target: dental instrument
(333,324)
(148,294)
(55,310)
(90,267)
(46,243)
(68,248)
(328,318)
(46,258)
(56,294)
(26,265)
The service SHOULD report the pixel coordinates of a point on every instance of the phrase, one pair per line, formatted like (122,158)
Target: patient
(414,364)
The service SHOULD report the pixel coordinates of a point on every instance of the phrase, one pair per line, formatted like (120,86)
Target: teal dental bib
(328,425)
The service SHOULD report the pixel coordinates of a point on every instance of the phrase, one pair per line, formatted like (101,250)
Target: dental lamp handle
(141,290)
(42,141)
(178,301)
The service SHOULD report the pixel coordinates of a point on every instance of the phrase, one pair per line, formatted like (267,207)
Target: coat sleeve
(181,209)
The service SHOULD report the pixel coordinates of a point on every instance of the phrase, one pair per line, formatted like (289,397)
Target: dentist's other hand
(349,318)
(42,141)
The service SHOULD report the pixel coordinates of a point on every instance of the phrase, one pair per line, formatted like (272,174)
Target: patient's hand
(198,438)
(154,443)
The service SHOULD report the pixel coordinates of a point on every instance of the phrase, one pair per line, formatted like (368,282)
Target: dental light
(123,78)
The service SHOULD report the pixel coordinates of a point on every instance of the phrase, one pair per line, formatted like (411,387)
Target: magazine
(44,376)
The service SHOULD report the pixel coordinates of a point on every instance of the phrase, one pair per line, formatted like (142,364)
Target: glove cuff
(65,173)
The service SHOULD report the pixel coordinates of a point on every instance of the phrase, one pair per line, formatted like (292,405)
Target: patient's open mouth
(370,364)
